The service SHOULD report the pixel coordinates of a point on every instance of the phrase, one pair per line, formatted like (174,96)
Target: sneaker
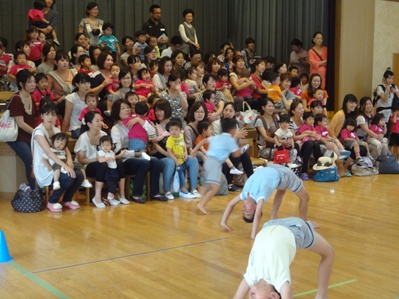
(345,153)
(292,165)
(86,184)
(186,194)
(107,113)
(73,205)
(54,207)
(233,188)
(196,193)
(56,185)
(359,159)
(123,200)
(55,41)
(304,177)
(145,156)
(234,170)
(99,205)
(112,201)
(169,195)
(244,148)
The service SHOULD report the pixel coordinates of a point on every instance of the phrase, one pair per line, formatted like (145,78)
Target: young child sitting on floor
(350,140)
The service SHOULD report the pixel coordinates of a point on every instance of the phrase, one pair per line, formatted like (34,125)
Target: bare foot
(202,208)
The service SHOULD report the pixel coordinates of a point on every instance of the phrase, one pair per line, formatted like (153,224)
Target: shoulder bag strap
(318,55)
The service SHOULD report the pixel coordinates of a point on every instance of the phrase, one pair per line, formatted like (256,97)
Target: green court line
(330,287)
(37,280)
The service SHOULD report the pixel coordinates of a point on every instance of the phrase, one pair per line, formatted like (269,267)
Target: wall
(386,37)
(354,49)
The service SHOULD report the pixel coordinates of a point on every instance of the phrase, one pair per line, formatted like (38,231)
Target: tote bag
(8,127)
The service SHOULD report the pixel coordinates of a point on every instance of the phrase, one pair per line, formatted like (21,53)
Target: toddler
(113,86)
(304,81)
(144,87)
(308,129)
(109,40)
(191,80)
(140,43)
(20,64)
(274,92)
(141,126)
(245,93)
(283,138)
(394,137)
(205,131)
(350,140)
(41,90)
(331,143)
(316,108)
(153,42)
(151,102)
(209,97)
(379,128)
(295,87)
(177,150)
(85,64)
(223,84)
(35,45)
(112,177)
(294,71)
(4,60)
(60,142)
(36,16)
(91,101)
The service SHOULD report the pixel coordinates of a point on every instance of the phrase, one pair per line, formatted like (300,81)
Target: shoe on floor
(169,195)
(56,185)
(123,200)
(145,156)
(99,205)
(73,205)
(196,193)
(112,201)
(234,170)
(233,188)
(186,194)
(54,207)
(244,148)
(304,176)
(138,199)
(86,184)
(159,197)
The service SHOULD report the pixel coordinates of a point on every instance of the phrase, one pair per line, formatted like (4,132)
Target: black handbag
(387,164)
(28,200)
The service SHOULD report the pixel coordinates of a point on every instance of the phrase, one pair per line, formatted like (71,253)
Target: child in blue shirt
(109,40)
(140,43)
(220,147)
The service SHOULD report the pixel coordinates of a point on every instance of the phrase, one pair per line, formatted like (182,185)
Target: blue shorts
(137,145)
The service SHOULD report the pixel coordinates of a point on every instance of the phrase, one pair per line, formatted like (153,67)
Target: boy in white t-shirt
(268,271)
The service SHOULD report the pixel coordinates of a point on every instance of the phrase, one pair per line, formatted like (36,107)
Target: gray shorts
(303,230)
(213,171)
(349,144)
(288,179)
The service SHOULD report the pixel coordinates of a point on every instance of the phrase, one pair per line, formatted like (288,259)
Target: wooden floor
(168,250)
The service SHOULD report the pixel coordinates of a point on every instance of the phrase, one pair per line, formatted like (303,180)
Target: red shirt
(4,60)
(37,95)
(16,68)
(36,48)
(395,127)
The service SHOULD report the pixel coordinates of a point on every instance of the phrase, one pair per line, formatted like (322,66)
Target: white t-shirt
(43,176)
(83,144)
(388,103)
(78,106)
(283,135)
(111,164)
(267,261)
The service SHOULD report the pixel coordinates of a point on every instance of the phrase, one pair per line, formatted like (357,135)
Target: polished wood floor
(169,250)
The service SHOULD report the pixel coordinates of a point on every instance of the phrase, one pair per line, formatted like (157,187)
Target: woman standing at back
(188,33)
(91,26)
(318,58)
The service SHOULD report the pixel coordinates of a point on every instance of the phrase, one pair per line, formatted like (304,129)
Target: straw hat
(325,162)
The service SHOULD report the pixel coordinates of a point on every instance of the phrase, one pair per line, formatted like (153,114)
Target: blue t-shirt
(110,41)
(261,184)
(221,146)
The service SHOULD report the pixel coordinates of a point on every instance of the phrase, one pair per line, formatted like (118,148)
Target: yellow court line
(330,287)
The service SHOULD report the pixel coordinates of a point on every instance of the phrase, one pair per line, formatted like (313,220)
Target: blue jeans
(137,145)
(75,133)
(23,150)
(68,185)
(168,171)
(192,165)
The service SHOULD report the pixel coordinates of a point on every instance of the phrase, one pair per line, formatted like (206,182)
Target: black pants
(308,148)
(246,164)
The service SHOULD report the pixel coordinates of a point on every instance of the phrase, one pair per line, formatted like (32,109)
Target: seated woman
(348,110)
(266,125)
(22,108)
(308,147)
(315,82)
(70,179)
(244,159)
(121,110)
(86,154)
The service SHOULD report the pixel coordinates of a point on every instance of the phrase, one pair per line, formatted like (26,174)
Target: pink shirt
(37,95)
(347,134)
(296,91)
(209,107)
(323,132)
(304,128)
(377,129)
(395,127)
(143,91)
(86,110)
(16,68)
(114,86)
(244,93)
(137,131)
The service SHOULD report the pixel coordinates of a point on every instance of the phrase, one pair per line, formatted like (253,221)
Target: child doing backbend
(350,140)
(331,143)
(60,142)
